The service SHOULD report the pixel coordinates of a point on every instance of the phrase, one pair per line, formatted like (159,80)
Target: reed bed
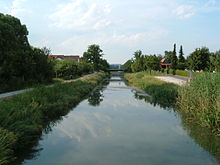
(200,100)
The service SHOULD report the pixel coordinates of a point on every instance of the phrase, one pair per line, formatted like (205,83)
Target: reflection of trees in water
(204,137)
(34,149)
(96,97)
(163,102)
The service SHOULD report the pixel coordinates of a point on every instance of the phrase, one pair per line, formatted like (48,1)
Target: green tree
(174,59)
(138,64)
(127,66)
(181,60)
(199,59)
(93,56)
(152,62)
(214,64)
(168,55)
(20,64)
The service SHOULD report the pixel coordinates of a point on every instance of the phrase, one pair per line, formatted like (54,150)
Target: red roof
(164,61)
(76,58)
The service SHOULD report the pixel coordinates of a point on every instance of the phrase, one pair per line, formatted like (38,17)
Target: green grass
(162,93)
(200,100)
(23,117)
(184,73)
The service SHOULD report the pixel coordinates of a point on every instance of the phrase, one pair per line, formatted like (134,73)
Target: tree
(174,59)
(93,56)
(168,55)
(181,61)
(20,63)
(138,64)
(214,64)
(199,59)
(127,66)
(152,62)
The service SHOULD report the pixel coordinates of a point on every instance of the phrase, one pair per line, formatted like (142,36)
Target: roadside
(174,80)
(9,94)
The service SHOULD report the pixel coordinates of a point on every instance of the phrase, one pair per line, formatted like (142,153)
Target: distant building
(62,57)
(164,63)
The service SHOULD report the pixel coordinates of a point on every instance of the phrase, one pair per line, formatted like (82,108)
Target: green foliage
(201,100)
(214,64)
(143,62)
(162,93)
(199,59)
(127,66)
(174,58)
(69,68)
(138,64)
(93,55)
(181,60)
(152,62)
(168,55)
(20,64)
(24,116)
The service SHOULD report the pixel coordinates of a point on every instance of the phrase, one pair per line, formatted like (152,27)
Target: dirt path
(8,94)
(172,80)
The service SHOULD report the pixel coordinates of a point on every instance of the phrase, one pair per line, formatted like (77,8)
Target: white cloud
(17,7)
(78,44)
(184,11)
(81,14)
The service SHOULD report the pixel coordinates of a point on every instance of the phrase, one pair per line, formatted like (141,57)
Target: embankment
(198,100)
(162,93)
(24,117)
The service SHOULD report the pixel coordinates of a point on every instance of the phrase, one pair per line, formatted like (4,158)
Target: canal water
(118,125)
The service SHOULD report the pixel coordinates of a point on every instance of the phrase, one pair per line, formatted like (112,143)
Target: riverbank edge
(24,116)
(162,92)
(194,100)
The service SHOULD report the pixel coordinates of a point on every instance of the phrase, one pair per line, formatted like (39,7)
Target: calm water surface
(115,127)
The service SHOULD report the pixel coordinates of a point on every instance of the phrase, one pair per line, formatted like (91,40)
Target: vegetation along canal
(119,125)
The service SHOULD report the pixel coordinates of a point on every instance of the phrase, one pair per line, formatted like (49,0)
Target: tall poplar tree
(181,61)
(174,58)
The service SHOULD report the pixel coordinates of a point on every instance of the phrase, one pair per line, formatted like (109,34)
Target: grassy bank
(162,93)
(23,117)
(200,100)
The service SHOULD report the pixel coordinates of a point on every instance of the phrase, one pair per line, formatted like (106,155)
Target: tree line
(23,65)
(201,59)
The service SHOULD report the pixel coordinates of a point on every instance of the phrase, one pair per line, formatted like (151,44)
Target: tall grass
(200,100)
(23,117)
(164,93)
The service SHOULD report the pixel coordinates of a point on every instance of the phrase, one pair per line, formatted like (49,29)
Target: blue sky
(119,27)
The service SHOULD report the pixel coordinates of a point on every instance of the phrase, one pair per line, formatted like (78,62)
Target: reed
(200,100)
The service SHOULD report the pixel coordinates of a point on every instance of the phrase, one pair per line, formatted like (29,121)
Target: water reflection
(204,137)
(119,129)
(96,97)
(164,103)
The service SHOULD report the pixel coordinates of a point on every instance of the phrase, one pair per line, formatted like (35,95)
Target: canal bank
(119,125)
(24,117)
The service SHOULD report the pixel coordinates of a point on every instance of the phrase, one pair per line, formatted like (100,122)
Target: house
(164,63)
(61,57)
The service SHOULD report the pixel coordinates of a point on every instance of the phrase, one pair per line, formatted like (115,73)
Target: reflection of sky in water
(122,130)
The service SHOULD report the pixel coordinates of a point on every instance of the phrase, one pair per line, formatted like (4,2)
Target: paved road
(4,95)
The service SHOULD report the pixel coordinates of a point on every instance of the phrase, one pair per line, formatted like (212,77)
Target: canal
(118,125)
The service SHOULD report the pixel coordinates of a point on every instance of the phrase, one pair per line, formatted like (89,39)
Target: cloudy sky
(120,27)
